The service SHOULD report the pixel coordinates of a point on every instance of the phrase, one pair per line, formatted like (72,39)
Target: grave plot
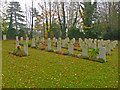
(87,49)
(56,70)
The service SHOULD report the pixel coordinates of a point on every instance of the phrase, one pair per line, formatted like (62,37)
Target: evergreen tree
(15,17)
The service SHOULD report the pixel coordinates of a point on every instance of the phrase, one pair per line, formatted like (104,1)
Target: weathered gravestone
(73,40)
(27,40)
(70,48)
(94,45)
(42,40)
(80,41)
(102,53)
(108,49)
(63,43)
(21,40)
(84,50)
(59,46)
(54,39)
(26,48)
(90,43)
(60,39)
(17,41)
(49,44)
(33,42)
(67,40)
(16,38)
(99,44)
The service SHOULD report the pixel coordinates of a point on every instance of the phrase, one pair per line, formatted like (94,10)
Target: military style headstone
(33,42)
(54,39)
(26,48)
(70,48)
(102,53)
(27,40)
(17,41)
(59,46)
(63,43)
(42,40)
(49,44)
(21,40)
(84,50)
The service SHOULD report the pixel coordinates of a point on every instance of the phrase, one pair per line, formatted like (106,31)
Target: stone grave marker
(59,46)
(63,43)
(102,53)
(33,42)
(42,40)
(54,39)
(70,48)
(84,50)
(21,40)
(49,44)
(26,48)
(27,40)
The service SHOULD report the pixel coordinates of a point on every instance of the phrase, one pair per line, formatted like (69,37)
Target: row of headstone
(87,43)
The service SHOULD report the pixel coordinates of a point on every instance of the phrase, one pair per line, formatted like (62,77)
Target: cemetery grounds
(42,69)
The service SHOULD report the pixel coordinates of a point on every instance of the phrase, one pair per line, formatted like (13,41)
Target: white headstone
(73,40)
(94,45)
(70,48)
(84,50)
(63,43)
(90,42)
(54,39)
(27,40)
(80,40)
(60,39)
(17,43)
(21,39)
(59,46)
(99,44)
(16,38)
(42,40)
(33,42)
(67,39)
(26,48)
(49,44)
(108,49)
(102,53)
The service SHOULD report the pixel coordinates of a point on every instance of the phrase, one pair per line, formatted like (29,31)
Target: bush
(93,53)
(56,30)
(21,33)
(11,33)
(112,35)
(75,33)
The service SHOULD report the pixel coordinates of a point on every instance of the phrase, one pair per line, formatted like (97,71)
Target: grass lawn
(50,70)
